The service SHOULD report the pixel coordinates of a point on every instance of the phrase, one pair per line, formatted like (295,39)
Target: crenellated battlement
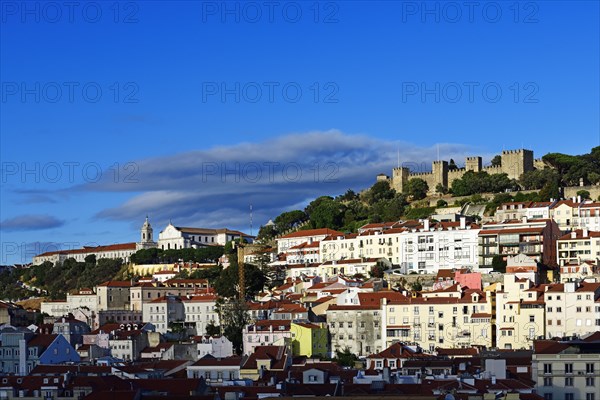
(514,163)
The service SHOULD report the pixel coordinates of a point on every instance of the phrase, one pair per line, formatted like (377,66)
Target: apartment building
(266,333)
(518,210)
(288,241)
(577,246)
(83,298)
(567,370)
(360,327)
(451,317)
(414,246)
(534,238)
(114,295)
(520,313)
(201,311)
(163,312)
(572,309)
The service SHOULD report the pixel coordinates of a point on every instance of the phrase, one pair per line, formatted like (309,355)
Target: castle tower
(400,177)
(473,164)
(439,170)
(516,162)
(146,236)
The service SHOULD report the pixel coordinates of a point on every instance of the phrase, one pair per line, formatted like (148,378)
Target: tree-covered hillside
(380,202)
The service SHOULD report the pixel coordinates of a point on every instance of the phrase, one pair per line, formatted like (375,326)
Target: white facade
(113,251)
(578,246)
(82,299)
(310,236)
(421,247)
(216,346)
(201,310)
(163,311)
(572,309)
(173,237)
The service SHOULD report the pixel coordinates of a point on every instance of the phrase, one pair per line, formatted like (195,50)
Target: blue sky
(191,111)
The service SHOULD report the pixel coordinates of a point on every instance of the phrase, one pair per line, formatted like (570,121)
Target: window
(531,318)
(547,381)
(547,368)
(590,381)
(312,378)
(589,368)
(547,396)
(568,368)
(590,396)
(569,396)
(568,381)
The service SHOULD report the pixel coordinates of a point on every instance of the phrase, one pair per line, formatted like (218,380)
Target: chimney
(585,232)
(579,198)
(426,224)
(573,234)
(493,379)
(463,222)
(524,219)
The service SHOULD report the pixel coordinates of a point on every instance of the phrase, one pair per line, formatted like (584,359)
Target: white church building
(175,237)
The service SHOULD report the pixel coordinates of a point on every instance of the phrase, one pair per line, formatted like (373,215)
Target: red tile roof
(92,249)
(312,232)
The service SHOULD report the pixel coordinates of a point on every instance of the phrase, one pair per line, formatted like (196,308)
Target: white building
(572,309)
(84,298)
(201,310)
(577,246)
(146,237)
(113,251)
(286,242)
(174,237)
(163,311)
(415,246)
(216,346)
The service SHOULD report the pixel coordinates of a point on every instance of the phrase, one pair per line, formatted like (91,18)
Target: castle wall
(427,177)
(493,169)
(571,191)
(514,163)
(538,163)
(456,174)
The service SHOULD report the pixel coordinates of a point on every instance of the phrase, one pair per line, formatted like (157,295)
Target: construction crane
(241,273)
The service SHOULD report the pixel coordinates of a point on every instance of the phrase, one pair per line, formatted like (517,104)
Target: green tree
(441,203)
(325,212)
(212,329)
(90,259)
(234,316)
(538,178)
(417,188)
(377,271)
(348,196)
(379,191)
(288,220)
(345,358)
(594,177)
(441,189)
(498,263)
(585,195)
(497,161)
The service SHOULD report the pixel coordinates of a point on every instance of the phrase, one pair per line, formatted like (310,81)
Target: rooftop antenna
(438,152)
(398,156)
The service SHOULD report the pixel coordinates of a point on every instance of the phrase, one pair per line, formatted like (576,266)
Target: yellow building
(452,318)
(520,313)
(309,339)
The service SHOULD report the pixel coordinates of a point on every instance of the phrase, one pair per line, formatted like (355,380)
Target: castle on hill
(514,163)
